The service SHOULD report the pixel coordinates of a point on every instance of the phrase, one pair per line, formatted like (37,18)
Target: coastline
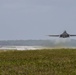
(32,48)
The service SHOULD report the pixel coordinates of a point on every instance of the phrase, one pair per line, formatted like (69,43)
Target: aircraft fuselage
(64,35)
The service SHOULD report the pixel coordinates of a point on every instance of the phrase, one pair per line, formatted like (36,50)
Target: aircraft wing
(72,35)
(54,35)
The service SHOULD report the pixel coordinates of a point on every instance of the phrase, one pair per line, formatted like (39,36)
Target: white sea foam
(20,47)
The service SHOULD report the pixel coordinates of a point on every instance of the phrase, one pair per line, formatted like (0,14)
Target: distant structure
(63,35)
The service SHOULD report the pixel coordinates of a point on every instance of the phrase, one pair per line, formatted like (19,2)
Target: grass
(38,62)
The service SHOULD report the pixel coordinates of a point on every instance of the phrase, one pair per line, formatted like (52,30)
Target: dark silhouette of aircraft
(63,35)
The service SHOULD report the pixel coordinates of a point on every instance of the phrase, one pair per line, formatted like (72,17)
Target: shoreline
(5,48)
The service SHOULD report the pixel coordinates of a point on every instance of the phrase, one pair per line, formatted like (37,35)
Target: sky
(34,19)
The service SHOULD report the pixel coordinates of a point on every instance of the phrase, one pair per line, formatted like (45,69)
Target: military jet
(63,35)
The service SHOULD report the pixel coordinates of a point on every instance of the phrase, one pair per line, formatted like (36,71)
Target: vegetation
(38,62)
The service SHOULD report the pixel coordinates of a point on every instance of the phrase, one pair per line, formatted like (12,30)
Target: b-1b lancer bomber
(63,35)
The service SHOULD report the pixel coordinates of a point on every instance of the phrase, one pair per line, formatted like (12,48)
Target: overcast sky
(34,19)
